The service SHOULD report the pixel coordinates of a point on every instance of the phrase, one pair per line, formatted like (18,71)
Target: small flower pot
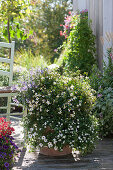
(52,152)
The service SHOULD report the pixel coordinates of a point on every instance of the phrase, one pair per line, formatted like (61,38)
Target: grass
(27,60)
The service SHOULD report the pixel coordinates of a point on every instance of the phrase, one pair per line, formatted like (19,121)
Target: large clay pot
(52,152)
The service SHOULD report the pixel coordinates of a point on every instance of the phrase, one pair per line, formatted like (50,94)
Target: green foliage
(103,83)
(3,79)
(11,13)
(79,51)
(107,79)
(104,111)
(45,21)
(26,59)
(59,110)
(95,78)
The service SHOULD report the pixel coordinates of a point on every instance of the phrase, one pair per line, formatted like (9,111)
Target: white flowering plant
(59,111)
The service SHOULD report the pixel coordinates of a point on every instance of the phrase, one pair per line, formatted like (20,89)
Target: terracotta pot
(52,152)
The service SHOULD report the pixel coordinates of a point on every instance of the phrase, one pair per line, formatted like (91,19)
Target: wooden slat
(8,94)
(11,64)
(4,73)
(5,60)
(6,45)
(15,104)
(5,107)
(3,114)
(15,118)
(17,113)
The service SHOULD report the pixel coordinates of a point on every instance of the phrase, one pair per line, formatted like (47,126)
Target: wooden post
(107,25)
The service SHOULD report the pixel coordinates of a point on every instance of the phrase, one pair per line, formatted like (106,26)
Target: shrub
(79,50)
(63,105)
(95,78)
(8,148)
(104,111)
(107,79)
(104,103)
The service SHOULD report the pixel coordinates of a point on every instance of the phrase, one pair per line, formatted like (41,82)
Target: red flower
(61,33)
(5,128)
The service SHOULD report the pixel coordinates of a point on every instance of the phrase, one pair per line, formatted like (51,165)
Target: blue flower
(6,164)
(5,146)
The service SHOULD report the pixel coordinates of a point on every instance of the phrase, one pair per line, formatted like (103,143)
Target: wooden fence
(101,14)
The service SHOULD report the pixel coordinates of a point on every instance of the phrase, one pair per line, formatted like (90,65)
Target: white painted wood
(17,118)
(82,4)
(91,11)
(10,75)
(108,25)
(8,94)
(5,73)
(16,113)
(75,5)
(11,64)
(6,45)
(79,4)
(5,60)
(5,107)
(15,104)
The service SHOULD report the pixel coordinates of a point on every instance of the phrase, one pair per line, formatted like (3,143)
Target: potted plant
(59,112)
(8,148)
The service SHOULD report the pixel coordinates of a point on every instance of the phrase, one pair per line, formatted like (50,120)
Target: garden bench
(7,92)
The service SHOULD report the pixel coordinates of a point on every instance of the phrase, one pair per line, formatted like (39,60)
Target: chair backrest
(10,60)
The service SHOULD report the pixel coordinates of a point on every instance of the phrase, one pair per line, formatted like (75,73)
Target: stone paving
(100,159)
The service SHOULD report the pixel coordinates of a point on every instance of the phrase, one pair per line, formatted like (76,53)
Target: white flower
(34,134)
(54,83)
(50,144)
(43,137)
(48,102)
(40,144)
(72,115)
(64,137)
(45,123)
(30,136)
(54,141)
(71,94)
(61,134)
(55,148)
(45,140)
(31,129)
(33,101)
(71,87)
(43,100)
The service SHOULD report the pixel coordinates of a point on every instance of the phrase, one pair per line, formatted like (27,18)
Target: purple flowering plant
(8,149)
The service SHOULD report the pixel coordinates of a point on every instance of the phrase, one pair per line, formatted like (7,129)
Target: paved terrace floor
(100,159)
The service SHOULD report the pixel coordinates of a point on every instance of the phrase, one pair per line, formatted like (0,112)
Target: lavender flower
(99,95)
